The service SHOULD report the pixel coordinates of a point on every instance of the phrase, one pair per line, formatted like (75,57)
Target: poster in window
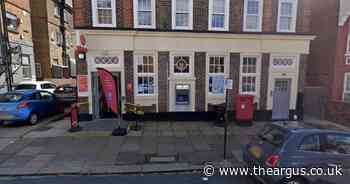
(218,84)
(83,83)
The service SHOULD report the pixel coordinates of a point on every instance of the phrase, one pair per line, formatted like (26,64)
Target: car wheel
(33,119)
(293,181)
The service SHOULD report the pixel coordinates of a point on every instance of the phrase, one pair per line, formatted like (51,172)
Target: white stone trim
(227,17)
(95,22)
(261,5)
(216,98)
(294,16)
(291,73)
(136,25)
(112,68)
(173,16)
(171,65)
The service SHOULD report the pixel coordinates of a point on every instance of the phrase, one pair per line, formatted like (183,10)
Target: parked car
(36,85)
(27,106)
(66,94)
(285,145)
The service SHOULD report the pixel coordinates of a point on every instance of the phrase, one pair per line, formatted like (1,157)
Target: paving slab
(129,158)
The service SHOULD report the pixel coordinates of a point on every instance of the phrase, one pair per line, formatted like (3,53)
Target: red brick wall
(322,50)
(339,112)
(270,16)
(304,16)
(236,15)
(128,15)
(340,68)
(82,13)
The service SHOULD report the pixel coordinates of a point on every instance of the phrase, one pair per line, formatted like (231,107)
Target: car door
(35,103)
(48,101)
(336,148)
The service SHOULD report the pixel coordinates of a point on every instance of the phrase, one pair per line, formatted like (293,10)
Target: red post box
(244,108)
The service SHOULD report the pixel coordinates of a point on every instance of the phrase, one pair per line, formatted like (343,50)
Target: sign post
(228,86)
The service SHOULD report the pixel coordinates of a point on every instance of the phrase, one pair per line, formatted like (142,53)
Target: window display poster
(218,85)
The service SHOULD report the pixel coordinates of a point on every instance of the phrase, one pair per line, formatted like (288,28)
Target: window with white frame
(219,14)
(347,87)
(249,78)
(145,75)
(253,10)
(26,66)
(287,15)
(38,70)
(182,17)
(144,13)
(182,65)
(104,13)
(216,76)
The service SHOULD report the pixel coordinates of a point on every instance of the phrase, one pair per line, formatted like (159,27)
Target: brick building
(20,37)
(49,40)
(171,56)
(328,81)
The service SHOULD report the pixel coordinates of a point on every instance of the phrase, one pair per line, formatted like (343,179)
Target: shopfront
(184,72)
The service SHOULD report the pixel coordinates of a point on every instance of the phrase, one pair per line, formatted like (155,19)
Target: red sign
(74,116)
(109,86)
(83,83)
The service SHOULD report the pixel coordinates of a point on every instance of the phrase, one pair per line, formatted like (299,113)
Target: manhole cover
(42,129)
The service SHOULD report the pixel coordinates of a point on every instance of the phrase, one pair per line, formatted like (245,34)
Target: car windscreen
(274,136)
(10,97)
(25,87)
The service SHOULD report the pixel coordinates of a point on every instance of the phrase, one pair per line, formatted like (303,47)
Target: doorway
(100,107)
(281,99)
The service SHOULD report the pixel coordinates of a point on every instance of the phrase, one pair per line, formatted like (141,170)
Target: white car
(37,85)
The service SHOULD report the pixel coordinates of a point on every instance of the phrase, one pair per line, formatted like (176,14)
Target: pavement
(181,178)
(49,149)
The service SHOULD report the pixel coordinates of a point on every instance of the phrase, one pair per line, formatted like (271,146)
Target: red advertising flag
(109,86)
(83,83)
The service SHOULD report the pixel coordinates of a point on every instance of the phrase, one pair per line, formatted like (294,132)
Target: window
(347,60)
(347,87)
(104,13)
(145,75)
(253,15)
(216,76)
(274,136)
(144,13)
(311,143)
(287,12)
(25,87)
(46,95)
(38,70)
(57,71)
(12,22)
(181,64)
(58,38)
(219,15)
(250,71)
(48,86)
(182,14)
(337,144)
(56,10)
(26,67)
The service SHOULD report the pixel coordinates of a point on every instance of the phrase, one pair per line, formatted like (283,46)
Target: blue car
(292,146)
(27,106)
